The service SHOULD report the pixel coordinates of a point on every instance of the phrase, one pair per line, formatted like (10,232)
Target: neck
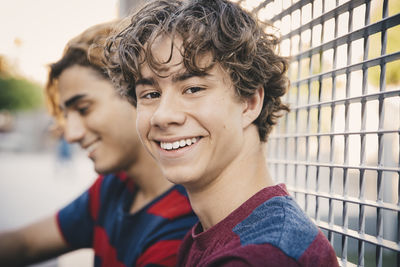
(246,175)
(148,180)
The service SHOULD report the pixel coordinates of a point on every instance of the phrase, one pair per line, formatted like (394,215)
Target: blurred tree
(393,41)
(17,93)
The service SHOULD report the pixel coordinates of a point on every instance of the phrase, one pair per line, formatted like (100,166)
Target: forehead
(166,57)
(165,49)
(74,77)
(81,80)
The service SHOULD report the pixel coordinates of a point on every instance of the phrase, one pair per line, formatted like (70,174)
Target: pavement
(36,184)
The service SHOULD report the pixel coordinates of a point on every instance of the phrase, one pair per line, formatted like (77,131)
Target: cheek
(224,115)
(143,122)
(96,121)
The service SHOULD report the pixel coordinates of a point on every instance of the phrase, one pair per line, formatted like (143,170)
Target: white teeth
(178,144)
(175,145)
(182,143)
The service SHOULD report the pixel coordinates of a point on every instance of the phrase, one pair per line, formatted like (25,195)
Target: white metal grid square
(338,148)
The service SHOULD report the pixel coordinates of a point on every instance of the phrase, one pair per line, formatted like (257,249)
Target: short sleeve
(76,222)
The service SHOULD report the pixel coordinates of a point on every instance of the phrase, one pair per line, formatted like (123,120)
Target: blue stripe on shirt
(281,223)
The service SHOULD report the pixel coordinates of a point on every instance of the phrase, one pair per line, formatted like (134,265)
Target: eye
(151,95)
(83,110)
(194,89)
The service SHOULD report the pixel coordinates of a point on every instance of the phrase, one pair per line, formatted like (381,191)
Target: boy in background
(131,215)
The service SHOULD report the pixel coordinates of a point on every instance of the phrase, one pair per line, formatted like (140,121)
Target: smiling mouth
(179,143)
(89,149)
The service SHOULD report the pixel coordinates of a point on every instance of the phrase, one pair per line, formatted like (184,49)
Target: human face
(98,119)
(192,125)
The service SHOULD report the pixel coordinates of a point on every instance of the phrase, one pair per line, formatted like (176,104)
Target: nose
(74,129)
(168,112)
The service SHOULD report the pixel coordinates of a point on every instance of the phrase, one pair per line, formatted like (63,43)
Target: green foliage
(393,40)
(19,94)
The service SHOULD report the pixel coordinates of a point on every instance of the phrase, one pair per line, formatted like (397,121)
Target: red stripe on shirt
(171,206)
(94,197)
(123,177)
(162,253)
(319,253)
(103,249)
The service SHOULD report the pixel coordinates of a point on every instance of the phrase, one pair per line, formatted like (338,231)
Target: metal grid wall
(338,148)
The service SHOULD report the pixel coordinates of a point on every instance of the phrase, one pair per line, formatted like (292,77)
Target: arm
(45,239)
(36,242)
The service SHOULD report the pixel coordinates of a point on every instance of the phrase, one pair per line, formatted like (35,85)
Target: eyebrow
(72,100)
(175,78)
(145,81)
(187,75)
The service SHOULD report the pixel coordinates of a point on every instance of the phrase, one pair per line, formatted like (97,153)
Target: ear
(252,107)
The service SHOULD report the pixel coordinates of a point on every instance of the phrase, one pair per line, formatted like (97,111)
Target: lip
(174,139)
(90,150)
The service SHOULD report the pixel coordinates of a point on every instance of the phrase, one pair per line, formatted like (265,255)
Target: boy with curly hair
(207,84)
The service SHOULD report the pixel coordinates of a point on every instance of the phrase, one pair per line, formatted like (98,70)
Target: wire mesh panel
(338,148)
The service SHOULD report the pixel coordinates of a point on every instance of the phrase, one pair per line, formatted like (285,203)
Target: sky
(33,33)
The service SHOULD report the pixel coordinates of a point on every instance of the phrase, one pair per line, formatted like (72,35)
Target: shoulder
(319,253)
(280,222)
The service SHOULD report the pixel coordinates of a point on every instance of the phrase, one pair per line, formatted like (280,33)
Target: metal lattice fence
(338,148)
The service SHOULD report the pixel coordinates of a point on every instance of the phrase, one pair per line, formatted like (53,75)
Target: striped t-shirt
(269,229)
(100,219)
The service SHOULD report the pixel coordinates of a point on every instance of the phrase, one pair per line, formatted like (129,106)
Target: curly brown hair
(86,50)
(234,38)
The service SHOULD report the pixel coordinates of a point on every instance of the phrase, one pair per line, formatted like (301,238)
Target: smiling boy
(207,84)
(131,215)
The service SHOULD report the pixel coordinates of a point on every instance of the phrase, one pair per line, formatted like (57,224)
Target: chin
(101,170)
(104,169)
(179,178)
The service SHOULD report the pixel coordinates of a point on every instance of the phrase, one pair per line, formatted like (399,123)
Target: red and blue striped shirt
(269,229)
(100,219)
